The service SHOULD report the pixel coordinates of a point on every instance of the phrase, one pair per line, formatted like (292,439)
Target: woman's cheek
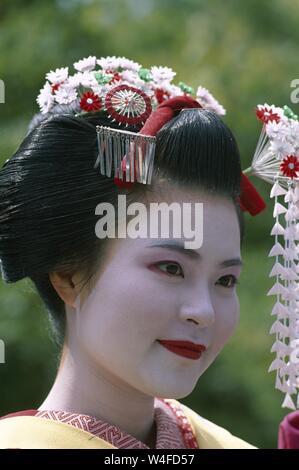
(232,319)
(227,321)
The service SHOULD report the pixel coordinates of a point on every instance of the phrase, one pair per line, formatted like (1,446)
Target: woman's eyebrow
(194,254)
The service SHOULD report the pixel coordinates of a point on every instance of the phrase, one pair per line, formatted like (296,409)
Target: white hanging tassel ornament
(276,160)
(286,326)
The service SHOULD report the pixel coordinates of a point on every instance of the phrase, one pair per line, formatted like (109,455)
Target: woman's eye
(173,269)
(229,281)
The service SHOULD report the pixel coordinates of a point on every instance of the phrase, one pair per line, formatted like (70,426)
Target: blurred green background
(245,53)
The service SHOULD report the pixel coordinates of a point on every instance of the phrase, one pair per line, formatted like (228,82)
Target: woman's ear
(67,286)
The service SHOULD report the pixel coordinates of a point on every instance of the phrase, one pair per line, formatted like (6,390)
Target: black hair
(49,190)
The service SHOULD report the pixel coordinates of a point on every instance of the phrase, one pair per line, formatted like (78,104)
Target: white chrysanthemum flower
(45,98)
(203,94)
(58,75)
(281,148)
(293,133)
(162,74)
(65,94)
(86,79)
(218,109)
(100,90)
(276,130)
(74,80)
(109,63)
(207,101)
(130,76)
(132,79)
(173,90)
(146,88)
(129,64)
(86,65)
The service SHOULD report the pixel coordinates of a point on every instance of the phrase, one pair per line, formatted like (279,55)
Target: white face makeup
(148,291)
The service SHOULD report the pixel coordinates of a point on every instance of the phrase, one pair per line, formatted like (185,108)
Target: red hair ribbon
(250,200)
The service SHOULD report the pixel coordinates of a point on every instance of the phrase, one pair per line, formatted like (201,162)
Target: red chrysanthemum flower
(290,166)
(266,114)
(90,102)
(161,95)
(116,76)
(55,87)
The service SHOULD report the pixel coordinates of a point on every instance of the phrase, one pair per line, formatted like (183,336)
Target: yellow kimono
(29,432)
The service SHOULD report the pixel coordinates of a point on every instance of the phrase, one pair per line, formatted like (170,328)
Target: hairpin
(131,154)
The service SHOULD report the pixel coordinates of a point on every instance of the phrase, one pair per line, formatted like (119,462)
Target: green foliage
(245,53)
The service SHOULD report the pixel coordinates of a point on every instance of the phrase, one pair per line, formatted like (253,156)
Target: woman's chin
(173,390)
(176,394)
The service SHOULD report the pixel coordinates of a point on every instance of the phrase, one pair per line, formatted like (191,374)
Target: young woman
(139,318)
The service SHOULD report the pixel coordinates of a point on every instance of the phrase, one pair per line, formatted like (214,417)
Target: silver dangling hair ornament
(126,155)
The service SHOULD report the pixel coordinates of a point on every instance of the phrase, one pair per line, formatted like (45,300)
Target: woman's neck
(84,389)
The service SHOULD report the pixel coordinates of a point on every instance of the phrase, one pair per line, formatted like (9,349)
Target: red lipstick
(183,348)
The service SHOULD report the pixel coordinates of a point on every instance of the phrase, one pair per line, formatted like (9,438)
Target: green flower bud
(101,78)
(186,89)
(145,75)
(289,113)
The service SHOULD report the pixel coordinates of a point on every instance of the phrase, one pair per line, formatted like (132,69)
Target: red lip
(184,348)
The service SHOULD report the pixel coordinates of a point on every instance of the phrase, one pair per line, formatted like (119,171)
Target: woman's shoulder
(23,430)
(211,436)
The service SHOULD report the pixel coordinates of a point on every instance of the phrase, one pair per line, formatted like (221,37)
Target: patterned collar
(173,429)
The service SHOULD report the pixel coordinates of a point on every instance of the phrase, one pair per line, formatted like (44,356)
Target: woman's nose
(199,310)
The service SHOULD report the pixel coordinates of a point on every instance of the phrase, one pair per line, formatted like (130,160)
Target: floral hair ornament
(130,95)
(127,93)
(276,160)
